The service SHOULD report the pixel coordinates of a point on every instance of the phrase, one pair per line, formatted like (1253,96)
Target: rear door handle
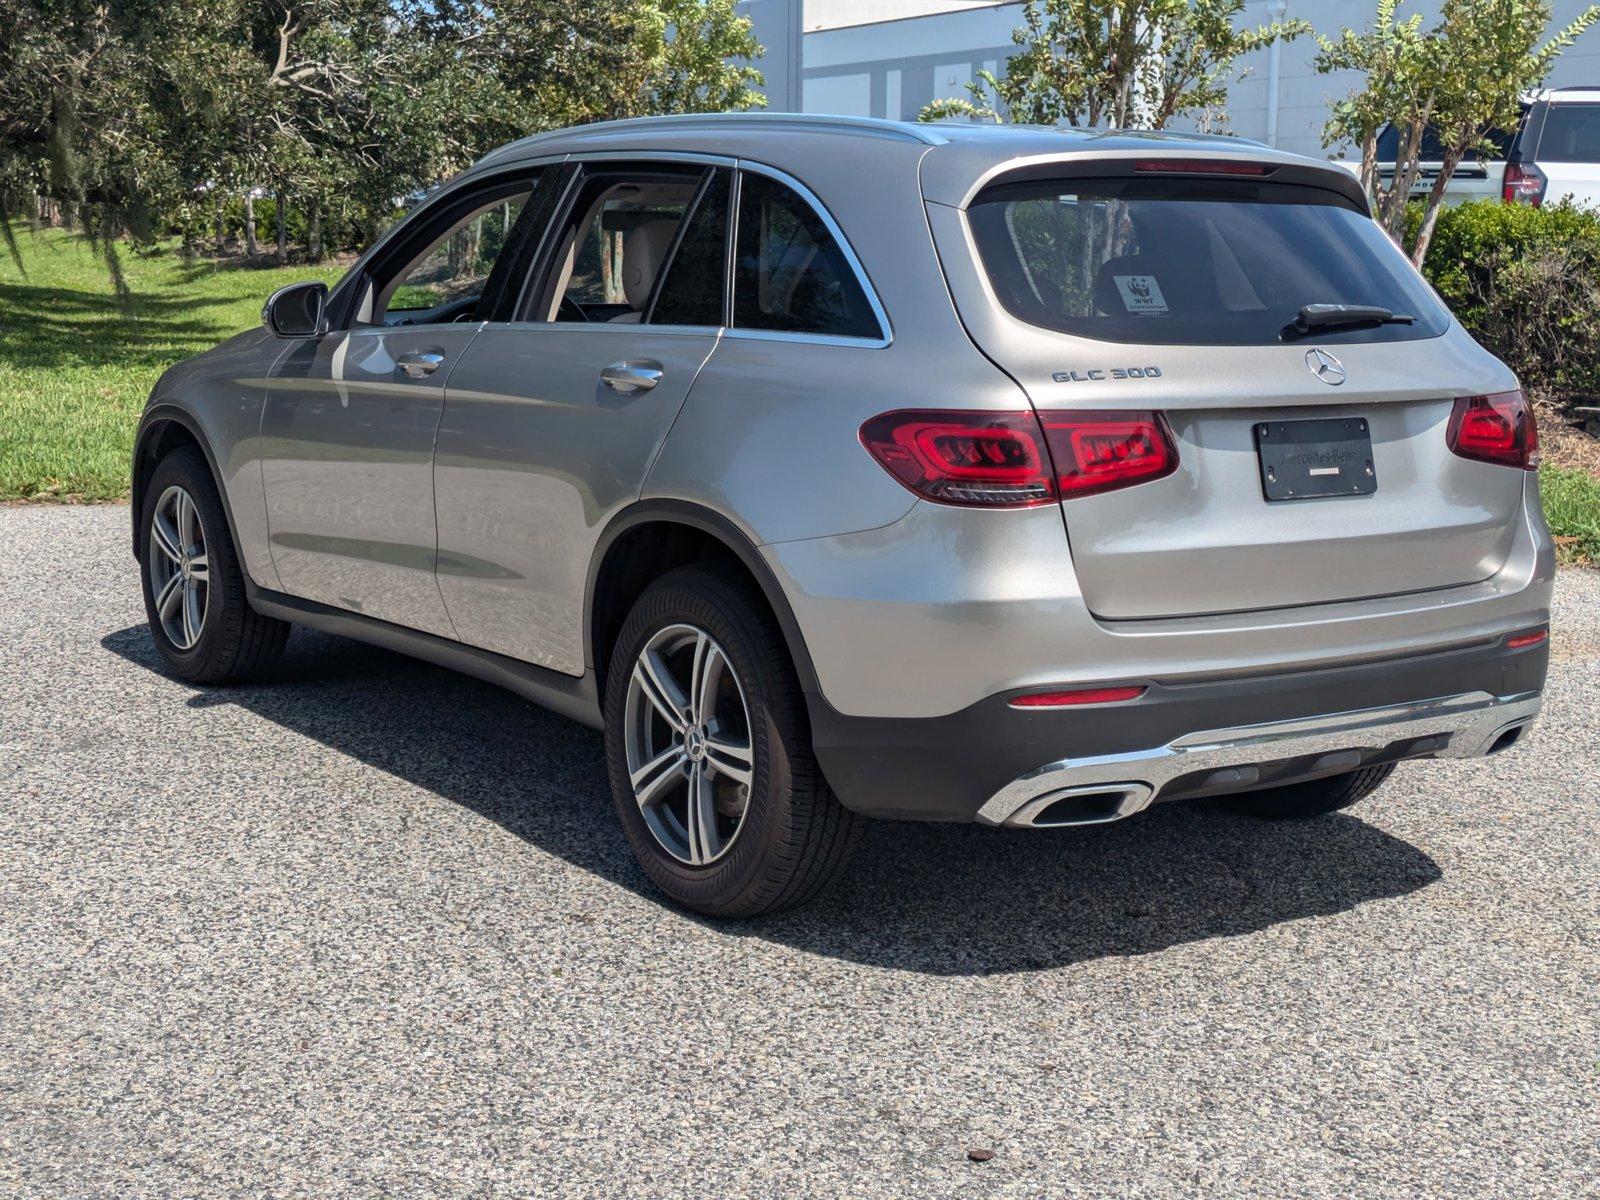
(631,376)
(419,365)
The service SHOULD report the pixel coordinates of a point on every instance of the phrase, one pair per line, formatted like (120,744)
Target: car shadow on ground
(934,899)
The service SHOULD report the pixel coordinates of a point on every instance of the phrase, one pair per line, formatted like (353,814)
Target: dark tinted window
(1198,262)
(790,273)
(1433,148)
(1571,134)
(691,293)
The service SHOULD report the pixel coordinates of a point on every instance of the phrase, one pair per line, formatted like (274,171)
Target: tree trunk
(314,233)
(250,247)
(283,227)
(1369,166)
(220,231)
(1430,214)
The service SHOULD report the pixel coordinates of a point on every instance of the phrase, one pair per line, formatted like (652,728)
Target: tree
(1117,63)
(1461,79)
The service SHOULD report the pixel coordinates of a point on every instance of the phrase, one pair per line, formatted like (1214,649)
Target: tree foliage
(1463,77)
(132,119)
(1118,63)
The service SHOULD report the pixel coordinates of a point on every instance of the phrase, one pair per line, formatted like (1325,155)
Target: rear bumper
(1003,766)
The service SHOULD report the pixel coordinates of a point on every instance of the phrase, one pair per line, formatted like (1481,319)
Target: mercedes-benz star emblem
(1325,367)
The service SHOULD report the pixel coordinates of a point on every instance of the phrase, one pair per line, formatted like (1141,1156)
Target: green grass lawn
(76,366)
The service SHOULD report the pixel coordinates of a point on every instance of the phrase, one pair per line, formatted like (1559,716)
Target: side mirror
(297,310)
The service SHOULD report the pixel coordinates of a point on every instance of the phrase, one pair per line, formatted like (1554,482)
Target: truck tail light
(1523,184)
(1495,429)
(1016,459)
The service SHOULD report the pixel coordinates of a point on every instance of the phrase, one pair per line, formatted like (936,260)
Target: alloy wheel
(180,571)
(688,744)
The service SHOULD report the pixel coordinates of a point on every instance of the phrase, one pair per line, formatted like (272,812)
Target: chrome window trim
(863,280)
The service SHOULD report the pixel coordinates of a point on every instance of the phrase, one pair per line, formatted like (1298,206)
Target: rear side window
(1571,134)
(790,273)
(1196,262)
(692,290)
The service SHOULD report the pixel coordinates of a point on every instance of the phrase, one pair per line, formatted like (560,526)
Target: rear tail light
(1099,451)
(1018,459)
(1521,641)
(1069,699)
(991,459)
(1523,184)
(1495,429)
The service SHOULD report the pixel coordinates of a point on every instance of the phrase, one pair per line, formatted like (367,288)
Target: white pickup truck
(1554,153)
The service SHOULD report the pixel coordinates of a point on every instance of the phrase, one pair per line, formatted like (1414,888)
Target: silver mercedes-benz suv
(839,467)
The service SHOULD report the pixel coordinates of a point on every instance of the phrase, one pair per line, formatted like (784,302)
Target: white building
(889,58)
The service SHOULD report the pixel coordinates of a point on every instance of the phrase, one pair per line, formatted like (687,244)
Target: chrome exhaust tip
(1092,804)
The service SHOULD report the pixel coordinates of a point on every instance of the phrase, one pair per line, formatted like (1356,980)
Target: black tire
(1314,798)
(235,641)
(794,837)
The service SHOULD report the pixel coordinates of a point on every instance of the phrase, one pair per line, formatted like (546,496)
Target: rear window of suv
(1191,262)
(1571,134)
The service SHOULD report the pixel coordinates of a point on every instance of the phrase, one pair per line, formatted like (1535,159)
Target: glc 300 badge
(1325,367)
(1095,373)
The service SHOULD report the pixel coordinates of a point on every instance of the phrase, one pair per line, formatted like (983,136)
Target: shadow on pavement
(935,899)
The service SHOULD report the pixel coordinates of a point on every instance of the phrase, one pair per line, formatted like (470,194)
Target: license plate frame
(1322,458)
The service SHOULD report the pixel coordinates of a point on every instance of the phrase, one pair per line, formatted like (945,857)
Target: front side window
(1191,262)
(443,281)
(790,273)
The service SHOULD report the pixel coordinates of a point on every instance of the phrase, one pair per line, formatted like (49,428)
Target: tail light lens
(1495,429)
(1100,451)
(1018,459)
(990,459)
(1523,184)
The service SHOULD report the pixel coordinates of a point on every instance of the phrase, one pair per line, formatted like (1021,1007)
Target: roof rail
(818,122)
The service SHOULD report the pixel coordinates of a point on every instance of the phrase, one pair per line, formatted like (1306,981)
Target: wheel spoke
(192,614)
(663,692)
(164,536)
(652,781)
(185,514)
(708,663)
(199,566)
(731,757)
(701,814)
(171,595)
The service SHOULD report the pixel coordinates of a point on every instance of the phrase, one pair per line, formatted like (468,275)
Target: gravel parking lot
(371,929)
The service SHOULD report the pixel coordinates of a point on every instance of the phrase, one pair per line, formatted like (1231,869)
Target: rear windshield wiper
(1320,318)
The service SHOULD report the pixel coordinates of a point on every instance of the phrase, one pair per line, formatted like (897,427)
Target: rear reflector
(1201,166)
(1495,429)
(1521,641)
(1111,695)
(1017,459)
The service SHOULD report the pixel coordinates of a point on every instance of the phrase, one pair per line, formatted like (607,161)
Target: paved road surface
(371,929)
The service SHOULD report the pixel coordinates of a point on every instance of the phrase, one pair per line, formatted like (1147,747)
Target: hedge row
(1526,283)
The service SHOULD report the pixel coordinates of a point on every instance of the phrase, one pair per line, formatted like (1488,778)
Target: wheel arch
(654,536)
(165,428)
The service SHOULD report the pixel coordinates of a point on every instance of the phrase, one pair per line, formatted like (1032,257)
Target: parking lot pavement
(371,929)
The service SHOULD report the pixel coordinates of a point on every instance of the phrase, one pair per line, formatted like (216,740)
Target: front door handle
(631,376)
(419,365)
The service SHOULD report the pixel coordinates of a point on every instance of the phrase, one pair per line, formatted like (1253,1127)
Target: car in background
(1552,155)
